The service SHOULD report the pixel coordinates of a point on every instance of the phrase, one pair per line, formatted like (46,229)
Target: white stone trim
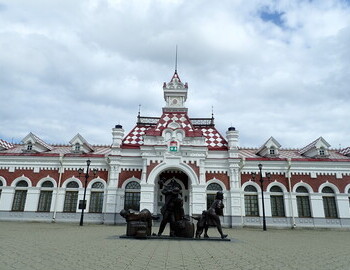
(74,179)
(328,184)
(14,183)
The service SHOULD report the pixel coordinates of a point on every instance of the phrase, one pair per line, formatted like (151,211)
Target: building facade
(306,187)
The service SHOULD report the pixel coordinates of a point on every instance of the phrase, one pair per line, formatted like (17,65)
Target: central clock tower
(175,94)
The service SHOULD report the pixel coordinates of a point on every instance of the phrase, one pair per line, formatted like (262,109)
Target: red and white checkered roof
(5,144)
(213,138)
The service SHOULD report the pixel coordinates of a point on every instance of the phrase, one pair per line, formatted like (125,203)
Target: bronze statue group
(139,224)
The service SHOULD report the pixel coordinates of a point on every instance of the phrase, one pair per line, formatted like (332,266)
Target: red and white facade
(308,187)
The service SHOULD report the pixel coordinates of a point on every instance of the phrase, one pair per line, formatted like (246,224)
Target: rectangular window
(19,200)
(303,203)
(70,201)
(330,207)
(132,201)
(277,206)
(96,202)
(45,201)
(251,205)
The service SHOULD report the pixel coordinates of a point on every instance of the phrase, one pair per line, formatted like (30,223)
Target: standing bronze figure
(173,212)
(210,218)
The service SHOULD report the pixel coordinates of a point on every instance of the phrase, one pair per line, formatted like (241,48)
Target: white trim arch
(216,181)
(275,183)
(303,184)
(327,184)
(347,189)
(95,180)
(47,178)
(3,180)
(74,179)
(14,182)
(192,177)
(251,183)
(131,179)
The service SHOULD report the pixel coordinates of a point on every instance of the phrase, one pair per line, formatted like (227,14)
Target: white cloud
(76,66)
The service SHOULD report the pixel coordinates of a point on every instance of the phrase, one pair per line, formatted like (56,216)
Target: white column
(343,205)
(147,198)
(198,199)
(32,199)
(317,205)
(6,199)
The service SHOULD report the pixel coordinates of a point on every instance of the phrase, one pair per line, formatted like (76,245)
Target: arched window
(277,202)
(45,197)
(20,197)
(212,189)
(132,196)
(303,202)
(77,147)
(96,198)
(329,203)
(71,198)
(251,201)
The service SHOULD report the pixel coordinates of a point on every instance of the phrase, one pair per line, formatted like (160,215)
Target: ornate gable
(33,144)
(270,148)
(80,145)
(317,149)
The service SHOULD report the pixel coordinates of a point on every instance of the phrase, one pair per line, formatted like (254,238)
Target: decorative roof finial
(176,59)
(139,110)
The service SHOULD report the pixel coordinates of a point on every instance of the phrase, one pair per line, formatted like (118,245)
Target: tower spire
(176,59)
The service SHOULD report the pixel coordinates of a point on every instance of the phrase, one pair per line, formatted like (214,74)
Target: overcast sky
(268,68)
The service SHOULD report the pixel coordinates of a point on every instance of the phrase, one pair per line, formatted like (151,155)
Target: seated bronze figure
(139,223)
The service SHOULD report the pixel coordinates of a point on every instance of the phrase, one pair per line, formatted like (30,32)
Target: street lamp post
(82,205)
(261,180)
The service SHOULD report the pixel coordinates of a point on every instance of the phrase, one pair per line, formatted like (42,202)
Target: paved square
(69,246)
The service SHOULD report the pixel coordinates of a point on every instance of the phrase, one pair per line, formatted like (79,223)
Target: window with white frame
(96,197)
(251,201)
(29,146)
(277,202)
(71,197)
(77,147)
(303,202)
(20,196)
(45,197)
(132,196)
(212,189)
(272,151)
(329,203)
(322,151)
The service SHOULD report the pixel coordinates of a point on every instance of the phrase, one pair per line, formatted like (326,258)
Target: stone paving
(69,246)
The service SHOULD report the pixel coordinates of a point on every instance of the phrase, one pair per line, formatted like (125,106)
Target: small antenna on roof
(139,110)
(212,111)
(176,59)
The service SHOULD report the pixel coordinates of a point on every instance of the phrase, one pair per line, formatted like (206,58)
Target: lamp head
(260,166)
(88,162)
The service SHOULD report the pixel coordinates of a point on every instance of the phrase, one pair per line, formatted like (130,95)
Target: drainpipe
(289,160)
(58,186)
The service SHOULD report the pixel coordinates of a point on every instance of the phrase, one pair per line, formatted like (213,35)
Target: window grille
(45,199)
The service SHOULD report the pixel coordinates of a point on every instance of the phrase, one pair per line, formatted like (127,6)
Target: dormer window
(272,151)
(77,147)
(322,152)
(29,146)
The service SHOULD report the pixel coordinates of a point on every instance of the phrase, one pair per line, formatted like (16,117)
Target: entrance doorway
(181,180)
